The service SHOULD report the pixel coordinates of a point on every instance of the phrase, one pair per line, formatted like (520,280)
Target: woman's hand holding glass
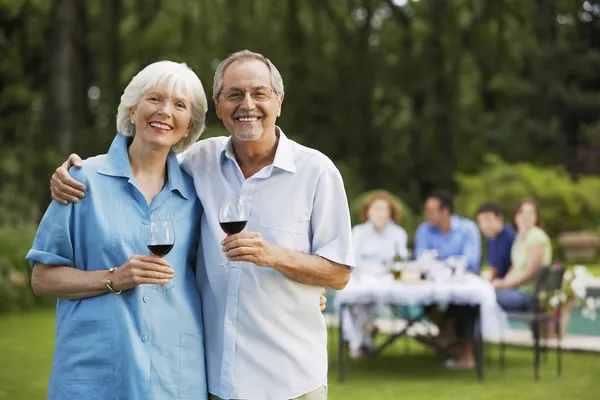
(141,270)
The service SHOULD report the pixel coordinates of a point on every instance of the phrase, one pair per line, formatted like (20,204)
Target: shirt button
(144,338)
(145,222)
(232,293)
(145,299)
(229,323)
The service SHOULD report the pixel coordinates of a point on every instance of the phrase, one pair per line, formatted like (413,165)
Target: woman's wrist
(109,282)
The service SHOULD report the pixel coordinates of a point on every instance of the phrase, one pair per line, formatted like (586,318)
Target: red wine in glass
(233,227)
(160,250)
(233,216)
(160,240)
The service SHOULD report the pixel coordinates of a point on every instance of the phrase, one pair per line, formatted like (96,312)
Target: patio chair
(548,280)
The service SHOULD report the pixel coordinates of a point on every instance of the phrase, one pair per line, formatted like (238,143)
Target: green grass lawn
(26,341)
(594,269)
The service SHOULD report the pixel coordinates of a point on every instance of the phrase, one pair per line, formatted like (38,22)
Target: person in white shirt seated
(376,242)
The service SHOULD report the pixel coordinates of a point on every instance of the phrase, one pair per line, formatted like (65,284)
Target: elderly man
(265,337)
(451,235)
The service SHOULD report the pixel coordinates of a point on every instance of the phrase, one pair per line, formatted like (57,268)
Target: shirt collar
(284,155)
(117,164)
(455,224)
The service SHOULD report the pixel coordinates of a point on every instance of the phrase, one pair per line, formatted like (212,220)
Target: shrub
(15,273)
(564,204)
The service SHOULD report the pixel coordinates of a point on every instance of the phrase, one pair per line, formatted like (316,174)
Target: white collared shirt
(265,336)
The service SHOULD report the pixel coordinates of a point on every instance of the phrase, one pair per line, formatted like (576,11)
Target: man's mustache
(247,114)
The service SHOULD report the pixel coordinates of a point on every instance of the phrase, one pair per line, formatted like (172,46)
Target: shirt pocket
(81,392)
(192,369)
(288,233)
(84,352)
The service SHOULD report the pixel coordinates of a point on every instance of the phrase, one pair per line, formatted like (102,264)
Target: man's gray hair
(182,82)
(276,79)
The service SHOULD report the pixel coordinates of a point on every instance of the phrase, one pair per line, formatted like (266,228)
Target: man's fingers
(238,236)
(242,251)
(62,174)
(67,191)
(62,200)
(323,303)
(240,242)
(75,160)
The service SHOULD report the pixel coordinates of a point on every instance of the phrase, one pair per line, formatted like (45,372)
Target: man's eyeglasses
(258,94)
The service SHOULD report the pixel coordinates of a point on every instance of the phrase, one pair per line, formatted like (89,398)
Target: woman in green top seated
(530,251)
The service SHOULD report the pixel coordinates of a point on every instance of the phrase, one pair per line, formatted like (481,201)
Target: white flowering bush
(573,293)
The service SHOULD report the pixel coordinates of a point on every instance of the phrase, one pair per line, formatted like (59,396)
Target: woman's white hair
(183,83)
(276,79)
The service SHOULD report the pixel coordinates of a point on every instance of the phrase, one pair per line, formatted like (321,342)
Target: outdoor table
(466,290)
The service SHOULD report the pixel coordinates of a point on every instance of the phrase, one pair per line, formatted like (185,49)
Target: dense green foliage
(401,94)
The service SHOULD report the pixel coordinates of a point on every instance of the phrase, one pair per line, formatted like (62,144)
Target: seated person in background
(450,235)
(531,251)
(499,237)
(376,242)
(379,239)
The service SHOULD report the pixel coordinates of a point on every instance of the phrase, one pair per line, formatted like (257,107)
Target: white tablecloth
(468,290)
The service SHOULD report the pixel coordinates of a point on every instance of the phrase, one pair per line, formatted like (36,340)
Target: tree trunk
(62,59)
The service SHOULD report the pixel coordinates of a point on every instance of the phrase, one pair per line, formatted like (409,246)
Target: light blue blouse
(146,343)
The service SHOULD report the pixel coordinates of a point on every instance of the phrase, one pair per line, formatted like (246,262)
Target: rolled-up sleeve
(54,240)
(330,220)
(53,243)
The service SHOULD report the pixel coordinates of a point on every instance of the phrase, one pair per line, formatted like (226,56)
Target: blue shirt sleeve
(53,243)
(421,239)
(54,240)
(330,220)
(472,247)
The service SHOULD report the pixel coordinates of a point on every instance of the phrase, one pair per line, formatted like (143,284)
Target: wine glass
(160,240)
(233,217)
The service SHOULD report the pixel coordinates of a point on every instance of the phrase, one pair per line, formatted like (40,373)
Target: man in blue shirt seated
(451,235)
(499,237)
(447,233)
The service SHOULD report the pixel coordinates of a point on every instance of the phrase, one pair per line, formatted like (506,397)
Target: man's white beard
(249,133)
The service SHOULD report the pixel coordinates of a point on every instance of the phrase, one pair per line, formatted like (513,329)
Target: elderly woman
(531,251)
(120,331)
(376,242)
